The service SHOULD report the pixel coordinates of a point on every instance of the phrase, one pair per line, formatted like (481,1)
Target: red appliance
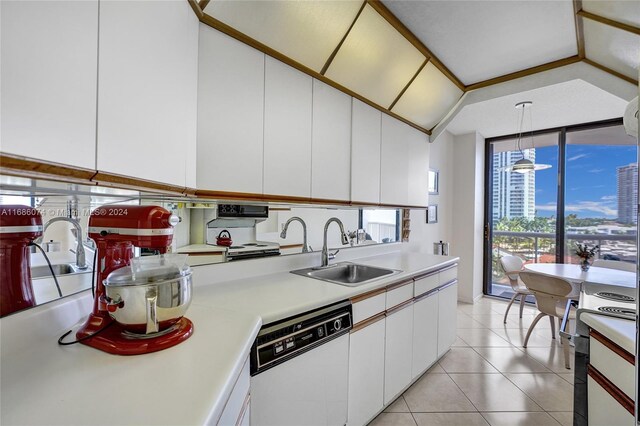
(116,229)
(19,226)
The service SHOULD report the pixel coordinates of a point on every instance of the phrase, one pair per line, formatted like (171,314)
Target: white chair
(551,299)
(615,264)
(512,266)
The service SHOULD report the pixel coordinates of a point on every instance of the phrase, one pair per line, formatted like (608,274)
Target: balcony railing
(538,244)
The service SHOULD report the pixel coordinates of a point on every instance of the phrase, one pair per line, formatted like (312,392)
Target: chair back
(548,290)
(511,264)
(615,264)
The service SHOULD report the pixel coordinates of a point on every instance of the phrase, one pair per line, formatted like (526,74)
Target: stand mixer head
(116,230)
(19,227)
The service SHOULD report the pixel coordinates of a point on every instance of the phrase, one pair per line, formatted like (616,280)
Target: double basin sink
(346,273)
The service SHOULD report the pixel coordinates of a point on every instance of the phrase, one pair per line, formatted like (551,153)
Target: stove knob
(337,324)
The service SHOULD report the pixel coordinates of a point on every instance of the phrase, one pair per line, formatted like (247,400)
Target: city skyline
(591,187)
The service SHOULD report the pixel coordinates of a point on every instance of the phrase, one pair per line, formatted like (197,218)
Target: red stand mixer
(19,227)
(116,229)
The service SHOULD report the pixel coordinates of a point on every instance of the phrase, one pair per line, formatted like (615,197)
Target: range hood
(235,216)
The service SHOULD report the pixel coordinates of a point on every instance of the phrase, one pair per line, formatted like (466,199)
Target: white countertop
(620,331)
(44,383)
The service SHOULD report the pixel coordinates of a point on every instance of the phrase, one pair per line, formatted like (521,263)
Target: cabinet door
(147,90)
(425,333)
(49,58)
(287,130)
(365,153)
(604,409)
(398,352)
(447,317)
(366,373)
(230,114)
(394,167)
(418,151)
(331,143)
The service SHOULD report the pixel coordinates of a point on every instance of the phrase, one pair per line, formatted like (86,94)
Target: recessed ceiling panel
(480,40)
(306,31)
(375,60)
(614,48)
(625,11)
(429,97)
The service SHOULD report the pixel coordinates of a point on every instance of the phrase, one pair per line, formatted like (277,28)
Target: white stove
(607,300)
(245,245)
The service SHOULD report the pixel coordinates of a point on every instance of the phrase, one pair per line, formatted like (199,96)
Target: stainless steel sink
(346,273)
(59,269)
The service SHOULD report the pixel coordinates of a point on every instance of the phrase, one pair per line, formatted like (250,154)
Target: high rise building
(628,193)
(514,194)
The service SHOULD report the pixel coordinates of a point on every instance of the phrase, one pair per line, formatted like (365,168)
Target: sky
(591,181)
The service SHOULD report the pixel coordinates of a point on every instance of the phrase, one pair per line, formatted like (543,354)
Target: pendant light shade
(525,165)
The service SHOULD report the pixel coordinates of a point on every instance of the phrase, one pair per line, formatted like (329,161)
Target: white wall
(423,235)
(467,213)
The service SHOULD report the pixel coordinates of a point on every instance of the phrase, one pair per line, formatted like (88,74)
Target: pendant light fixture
(524,165)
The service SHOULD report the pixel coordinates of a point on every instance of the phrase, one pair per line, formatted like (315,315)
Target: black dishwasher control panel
(283,340)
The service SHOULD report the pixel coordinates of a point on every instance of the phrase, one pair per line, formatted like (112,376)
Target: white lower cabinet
(398,351)
(236,409)
(447,316)
(425,333)
(366,373)
(604,409)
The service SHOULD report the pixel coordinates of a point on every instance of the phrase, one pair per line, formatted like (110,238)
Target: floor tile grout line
(463,392)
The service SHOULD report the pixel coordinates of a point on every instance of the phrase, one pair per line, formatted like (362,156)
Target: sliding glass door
(588,195)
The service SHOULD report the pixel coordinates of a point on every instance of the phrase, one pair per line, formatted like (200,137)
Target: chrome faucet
(283,234)
(326,256)
(81,262)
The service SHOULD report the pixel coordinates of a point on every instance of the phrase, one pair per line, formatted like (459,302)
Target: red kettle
(224,240)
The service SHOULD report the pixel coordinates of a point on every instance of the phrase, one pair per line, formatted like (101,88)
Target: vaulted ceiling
(414,59)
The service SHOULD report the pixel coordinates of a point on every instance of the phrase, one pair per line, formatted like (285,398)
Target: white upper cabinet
(404,169)
(394,165)
(147,90)
(365,153)
(230,114)
(331,143)
(49,58)
(418,152)
(287,130)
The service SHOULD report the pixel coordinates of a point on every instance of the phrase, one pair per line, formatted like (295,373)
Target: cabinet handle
(399,307)
(449,284)
(622,398)
(369,321)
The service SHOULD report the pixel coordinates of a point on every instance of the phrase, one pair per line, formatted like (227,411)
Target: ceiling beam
(612,23)
(424,64)
(335,51)
(523,73)
(406,33)
(610,71)
(577,6)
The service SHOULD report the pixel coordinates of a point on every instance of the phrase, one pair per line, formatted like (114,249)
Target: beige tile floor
(488,378)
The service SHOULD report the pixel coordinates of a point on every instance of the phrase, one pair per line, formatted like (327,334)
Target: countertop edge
(620,331)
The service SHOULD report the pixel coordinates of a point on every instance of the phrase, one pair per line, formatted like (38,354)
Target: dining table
(574,274)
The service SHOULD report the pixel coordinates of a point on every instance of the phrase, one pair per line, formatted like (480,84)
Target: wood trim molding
(25,167)
(367,322)
(232,32)
(291,246)
(196,8)
(612,346)
(610,71)
(368,295)
(524,73)
(612,389)
(404,89)
(610,22)
(399,307)
(577,6)
(203,4)
(112,179)
(406,33)
(335,51)
(399,284)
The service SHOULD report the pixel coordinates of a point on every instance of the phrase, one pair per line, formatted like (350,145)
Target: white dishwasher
(299,369)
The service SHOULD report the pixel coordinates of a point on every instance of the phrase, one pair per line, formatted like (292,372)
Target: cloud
(596,170)
(609,198)
(584,206)
(546,207)
(577,157)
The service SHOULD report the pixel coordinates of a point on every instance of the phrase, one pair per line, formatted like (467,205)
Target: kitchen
(190,119)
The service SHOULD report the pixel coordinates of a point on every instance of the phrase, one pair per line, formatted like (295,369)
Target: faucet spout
(343,237)
(81,261)
(283,234)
